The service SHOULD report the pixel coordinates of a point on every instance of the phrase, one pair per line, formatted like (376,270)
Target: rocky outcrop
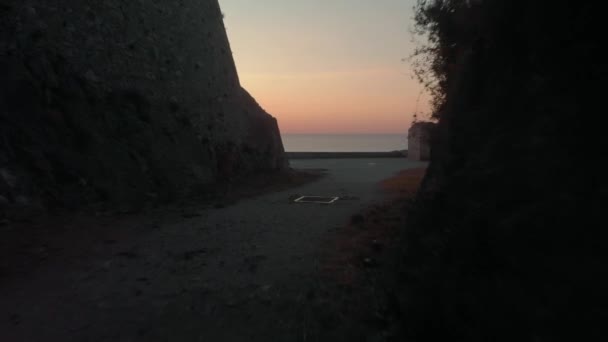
(502,244)
(122,102)
(419,138)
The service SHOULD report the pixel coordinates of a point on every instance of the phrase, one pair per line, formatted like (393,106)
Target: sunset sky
(327,66)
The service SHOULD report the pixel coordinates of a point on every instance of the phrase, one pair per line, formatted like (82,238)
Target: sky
(327,66)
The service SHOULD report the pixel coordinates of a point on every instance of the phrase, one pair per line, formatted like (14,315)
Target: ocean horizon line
(403,133)
(344,142)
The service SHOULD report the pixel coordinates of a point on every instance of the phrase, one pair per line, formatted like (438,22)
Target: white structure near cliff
(419,141)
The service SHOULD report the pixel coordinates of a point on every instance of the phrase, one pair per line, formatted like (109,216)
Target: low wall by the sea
(334,155)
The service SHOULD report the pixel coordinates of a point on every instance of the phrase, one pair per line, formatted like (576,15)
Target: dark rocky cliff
(122,102)
(503,243)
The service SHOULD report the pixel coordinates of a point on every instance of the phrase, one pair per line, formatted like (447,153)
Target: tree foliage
(432,59)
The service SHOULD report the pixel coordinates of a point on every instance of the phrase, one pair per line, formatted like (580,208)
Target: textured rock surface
(419,140)
(503,243)
(122,102)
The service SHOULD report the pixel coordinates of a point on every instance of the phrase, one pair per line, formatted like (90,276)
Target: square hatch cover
(316,199)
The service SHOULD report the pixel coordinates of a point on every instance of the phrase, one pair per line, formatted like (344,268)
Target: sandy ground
(245,272)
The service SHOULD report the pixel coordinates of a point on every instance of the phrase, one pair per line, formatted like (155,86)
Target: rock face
(419,141)
(503,243)
(122,102)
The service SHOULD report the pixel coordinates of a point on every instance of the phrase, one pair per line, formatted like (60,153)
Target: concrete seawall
(327,155)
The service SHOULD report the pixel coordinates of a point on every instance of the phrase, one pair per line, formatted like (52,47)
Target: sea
(344,142)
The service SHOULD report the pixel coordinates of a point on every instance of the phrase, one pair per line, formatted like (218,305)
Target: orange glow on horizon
(327,66)
(363,101)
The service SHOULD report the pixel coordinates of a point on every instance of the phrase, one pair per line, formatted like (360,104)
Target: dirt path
(246,272)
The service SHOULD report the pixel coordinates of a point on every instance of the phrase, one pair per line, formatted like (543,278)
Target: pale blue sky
(309,60)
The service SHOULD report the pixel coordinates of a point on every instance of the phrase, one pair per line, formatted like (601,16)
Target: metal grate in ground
(316,199)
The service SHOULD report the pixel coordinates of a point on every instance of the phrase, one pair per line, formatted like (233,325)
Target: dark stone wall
(122,102)
(503,242)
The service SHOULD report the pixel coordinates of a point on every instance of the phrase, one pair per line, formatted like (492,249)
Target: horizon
(342,133)
(354,82)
